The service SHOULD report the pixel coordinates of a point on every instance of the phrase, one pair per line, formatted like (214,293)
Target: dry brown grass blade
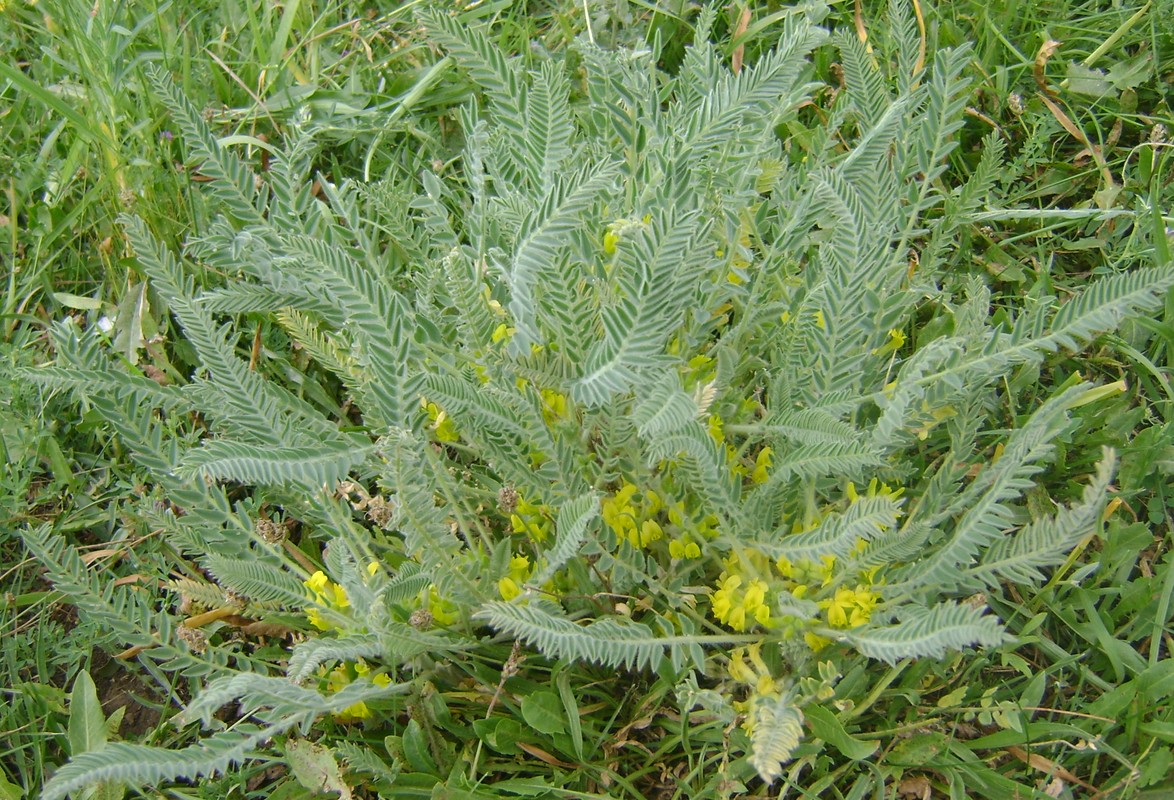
(921,35)
(544,756)
(1046,50)
(208,617)
(740,51)
(1094,150)
(861,31)
(1048,766)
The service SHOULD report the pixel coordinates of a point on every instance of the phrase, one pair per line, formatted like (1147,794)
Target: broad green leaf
(131,324)
(544,713)
(827,726)
(416,750)
(315,767)
(1159,730)
(1086,81)
(77,302)
(500,733)
(10,791)
(87,723)
(562,682)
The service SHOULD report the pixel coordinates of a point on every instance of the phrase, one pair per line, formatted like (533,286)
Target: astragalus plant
(666,374)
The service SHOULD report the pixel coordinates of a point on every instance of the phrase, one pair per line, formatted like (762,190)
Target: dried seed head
(195,639)
(421,619)
(270,531)
(379,511)
(510,668)
(507,499)
(1159,134)
(1015,102)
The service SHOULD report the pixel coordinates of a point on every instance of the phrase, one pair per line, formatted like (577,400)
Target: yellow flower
(896,342)
(937,416)
(838,608)
(532,520)
(740,608)
(444,612)
(715,429)
(510,586)
(341,676)
(554,406)
(508,589)
(650,531)
(761,465)
(875,489)
(684,547)
(738,669)
(501,333)
(317,582)
(815,641)
(826,566)
(756,675)
(806,572)
(850,608)
(326,594)
(442,424)
(724,598)
(631,516)
(701,369)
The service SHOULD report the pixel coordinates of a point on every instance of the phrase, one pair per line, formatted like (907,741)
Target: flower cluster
(327,595)
(684,547)
(762,464)
(330,597)
(845,608)
(689,527)
(747,666)
(739,603)
(701,370)
(759,473)
(742,597)
(631,514)
(510,586)
(875,489)
(805,577)
(444,612)
(348,673)
(554,406)
(441,423)
(740,255)
(532,520)
(850,608)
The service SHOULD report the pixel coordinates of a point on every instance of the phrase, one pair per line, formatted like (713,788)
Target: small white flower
(105,324)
